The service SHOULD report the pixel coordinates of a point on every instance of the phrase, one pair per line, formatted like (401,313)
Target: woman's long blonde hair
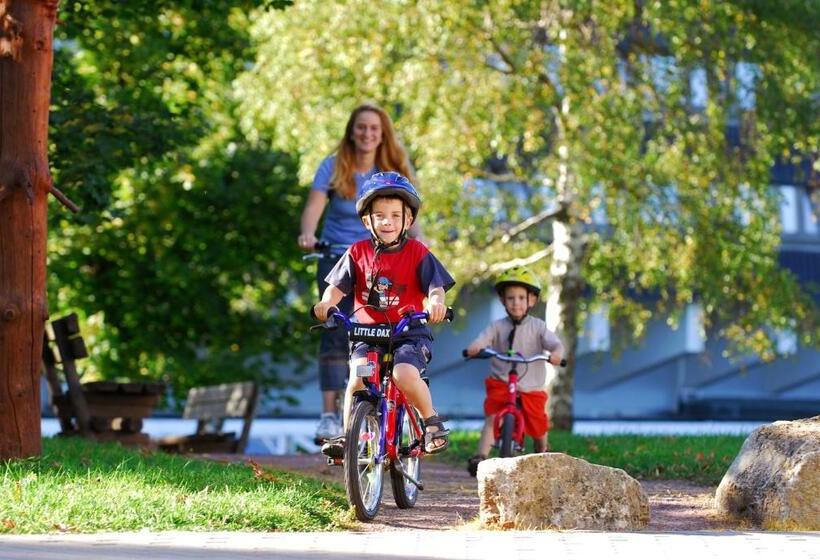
(390,155)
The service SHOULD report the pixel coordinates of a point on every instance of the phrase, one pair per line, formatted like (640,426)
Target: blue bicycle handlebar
(336,318)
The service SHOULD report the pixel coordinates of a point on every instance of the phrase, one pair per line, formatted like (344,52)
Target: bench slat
(229,400)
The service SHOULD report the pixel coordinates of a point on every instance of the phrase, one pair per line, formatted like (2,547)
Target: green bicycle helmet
(518,276)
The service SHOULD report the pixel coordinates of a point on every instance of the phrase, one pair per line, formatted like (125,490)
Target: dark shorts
(413,351)
(333,345)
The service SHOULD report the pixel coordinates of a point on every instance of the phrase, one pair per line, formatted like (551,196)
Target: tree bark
(566,277)
(26,32)
(565,291)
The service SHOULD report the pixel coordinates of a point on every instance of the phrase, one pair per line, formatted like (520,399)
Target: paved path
(416,545)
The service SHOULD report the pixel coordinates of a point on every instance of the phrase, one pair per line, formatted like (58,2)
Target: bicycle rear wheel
(507,431)
(363,475)
(405,492)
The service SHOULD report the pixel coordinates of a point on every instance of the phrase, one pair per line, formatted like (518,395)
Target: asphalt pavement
(416,545)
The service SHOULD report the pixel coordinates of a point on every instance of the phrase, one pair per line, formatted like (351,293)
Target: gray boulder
(556,491)
(774,482)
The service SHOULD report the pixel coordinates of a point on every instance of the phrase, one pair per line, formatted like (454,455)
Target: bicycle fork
(394,409)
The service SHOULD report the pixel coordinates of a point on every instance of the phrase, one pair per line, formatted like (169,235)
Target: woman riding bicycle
(386,274)
(521,333)
(369,145)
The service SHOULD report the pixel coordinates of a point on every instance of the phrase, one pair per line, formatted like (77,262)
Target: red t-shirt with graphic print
(384,283)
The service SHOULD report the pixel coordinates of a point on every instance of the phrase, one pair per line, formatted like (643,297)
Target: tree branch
(62,198)
(529,222)
(535,257)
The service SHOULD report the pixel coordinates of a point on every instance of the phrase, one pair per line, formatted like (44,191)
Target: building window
(789,217)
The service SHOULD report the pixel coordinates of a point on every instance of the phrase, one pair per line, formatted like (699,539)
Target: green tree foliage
(587,108)
(182,257)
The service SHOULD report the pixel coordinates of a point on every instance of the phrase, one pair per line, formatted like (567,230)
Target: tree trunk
(565,290)
(26,30)
(566,278)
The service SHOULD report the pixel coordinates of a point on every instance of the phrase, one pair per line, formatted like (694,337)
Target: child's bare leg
(354,383)
(486,440)
(409,380)
(541,444)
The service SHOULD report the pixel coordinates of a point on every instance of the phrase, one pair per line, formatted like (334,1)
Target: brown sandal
(439,434)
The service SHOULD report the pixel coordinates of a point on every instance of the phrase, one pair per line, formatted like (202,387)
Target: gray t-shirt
(531,337)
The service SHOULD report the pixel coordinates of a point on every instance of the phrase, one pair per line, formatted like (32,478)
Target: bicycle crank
(409,478)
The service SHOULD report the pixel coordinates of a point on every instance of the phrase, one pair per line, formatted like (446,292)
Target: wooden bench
(100,410)
(210,406)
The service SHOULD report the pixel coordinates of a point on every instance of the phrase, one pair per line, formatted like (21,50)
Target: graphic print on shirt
(383,293)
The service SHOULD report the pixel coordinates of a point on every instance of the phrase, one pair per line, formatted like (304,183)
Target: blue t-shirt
(342,224)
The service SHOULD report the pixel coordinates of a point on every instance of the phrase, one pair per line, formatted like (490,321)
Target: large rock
(774,481)
(553,490)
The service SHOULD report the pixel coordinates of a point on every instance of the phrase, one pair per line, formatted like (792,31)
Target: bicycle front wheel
(507,431)
(405,492)
(363,474)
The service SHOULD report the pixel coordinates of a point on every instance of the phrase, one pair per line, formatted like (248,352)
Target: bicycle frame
(512,407)
(392,403)
(383,392)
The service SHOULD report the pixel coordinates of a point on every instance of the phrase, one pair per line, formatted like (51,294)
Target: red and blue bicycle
(385,432)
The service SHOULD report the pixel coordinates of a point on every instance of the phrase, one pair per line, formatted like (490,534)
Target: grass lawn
(80,486)
(702,459)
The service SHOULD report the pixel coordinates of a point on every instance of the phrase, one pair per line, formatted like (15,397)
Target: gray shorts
(413,351)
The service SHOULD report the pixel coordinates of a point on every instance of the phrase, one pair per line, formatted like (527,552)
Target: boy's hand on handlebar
(472,350)
(555,359)
(322,310)
(436,311)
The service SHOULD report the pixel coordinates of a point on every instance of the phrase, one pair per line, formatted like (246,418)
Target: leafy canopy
(666,116)
(182,257)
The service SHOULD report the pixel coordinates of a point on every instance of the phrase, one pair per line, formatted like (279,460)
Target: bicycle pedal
(335,461)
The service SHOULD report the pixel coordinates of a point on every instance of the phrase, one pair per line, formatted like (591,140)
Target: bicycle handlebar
(486,353)
(410,318)
(323,249)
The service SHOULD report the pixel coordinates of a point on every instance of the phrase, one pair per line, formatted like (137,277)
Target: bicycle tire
(363,475)
(405,493)
(507,431)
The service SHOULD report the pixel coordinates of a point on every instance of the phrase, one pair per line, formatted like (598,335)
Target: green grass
(80,486)
(702,459)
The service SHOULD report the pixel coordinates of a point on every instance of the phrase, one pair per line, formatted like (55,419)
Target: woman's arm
(314,207)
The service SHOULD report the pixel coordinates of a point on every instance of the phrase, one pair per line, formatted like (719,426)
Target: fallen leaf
(9,524)
(259,472)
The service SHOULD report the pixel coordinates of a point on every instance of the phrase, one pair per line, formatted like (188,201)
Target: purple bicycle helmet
(389,183)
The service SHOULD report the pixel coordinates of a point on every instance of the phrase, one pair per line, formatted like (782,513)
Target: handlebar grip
(449,315)
(313,314)
(464,353)
(564,362)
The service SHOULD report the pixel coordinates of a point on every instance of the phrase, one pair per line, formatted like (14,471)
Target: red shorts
(533,405)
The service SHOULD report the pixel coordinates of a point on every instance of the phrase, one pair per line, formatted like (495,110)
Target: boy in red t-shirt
(385,274)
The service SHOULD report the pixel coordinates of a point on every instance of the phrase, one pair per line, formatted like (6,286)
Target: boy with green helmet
(521,333)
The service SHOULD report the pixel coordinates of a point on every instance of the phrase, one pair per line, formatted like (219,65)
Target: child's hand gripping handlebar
(485,353)
(410,318)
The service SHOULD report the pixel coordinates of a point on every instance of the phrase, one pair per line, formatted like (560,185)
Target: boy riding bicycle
(386,274)
(520,333)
